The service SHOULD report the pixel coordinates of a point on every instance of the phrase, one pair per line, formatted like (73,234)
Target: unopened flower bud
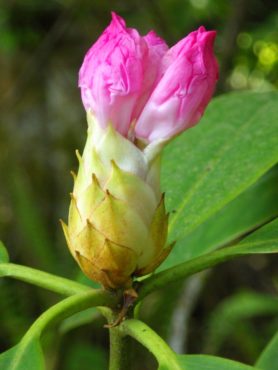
(189,73)
(118,73)
(138,94)
(117,226)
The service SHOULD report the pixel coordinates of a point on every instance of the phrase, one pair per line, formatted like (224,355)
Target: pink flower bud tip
(144,89)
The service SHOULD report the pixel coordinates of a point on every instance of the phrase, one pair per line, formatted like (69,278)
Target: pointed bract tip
(162,200)
(114,165)
(88,222)
(66,231)
(62,222)
(72,196)
(95,180)
(73,174)
(78,155)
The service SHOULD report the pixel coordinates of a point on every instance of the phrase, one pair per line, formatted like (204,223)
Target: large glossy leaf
(204,362)
(269,357)
(251,209)
(23,356)
(210,165)
(263,240)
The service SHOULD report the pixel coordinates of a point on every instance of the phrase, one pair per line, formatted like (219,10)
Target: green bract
(117,225)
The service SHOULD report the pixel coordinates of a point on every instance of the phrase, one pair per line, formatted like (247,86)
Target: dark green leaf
(204,362)
(23,356)
(251,209)
(210,165)
(268,360)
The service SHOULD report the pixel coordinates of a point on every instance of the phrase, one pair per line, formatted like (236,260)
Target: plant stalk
(119,358)
(164,355)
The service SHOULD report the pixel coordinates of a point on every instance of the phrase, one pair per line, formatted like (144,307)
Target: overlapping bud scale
(117,226)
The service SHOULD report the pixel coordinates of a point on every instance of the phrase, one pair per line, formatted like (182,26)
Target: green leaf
(23,356)
(252,208)
(268,360)
(210,165)
(4,256)
(205,362)
(226,317)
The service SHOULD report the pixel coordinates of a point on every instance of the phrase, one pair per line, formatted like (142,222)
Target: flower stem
(119,353)
(70,306)
(119,358)
(147,337)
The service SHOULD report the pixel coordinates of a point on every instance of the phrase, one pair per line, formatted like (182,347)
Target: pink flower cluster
(138,84)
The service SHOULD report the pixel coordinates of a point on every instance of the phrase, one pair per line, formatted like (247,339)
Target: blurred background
(42,122)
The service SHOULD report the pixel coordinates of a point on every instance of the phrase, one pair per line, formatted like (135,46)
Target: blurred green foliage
(42,122)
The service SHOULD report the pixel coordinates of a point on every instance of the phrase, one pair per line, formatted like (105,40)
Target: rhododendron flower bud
(138,94)
(118,73)
(180,97)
